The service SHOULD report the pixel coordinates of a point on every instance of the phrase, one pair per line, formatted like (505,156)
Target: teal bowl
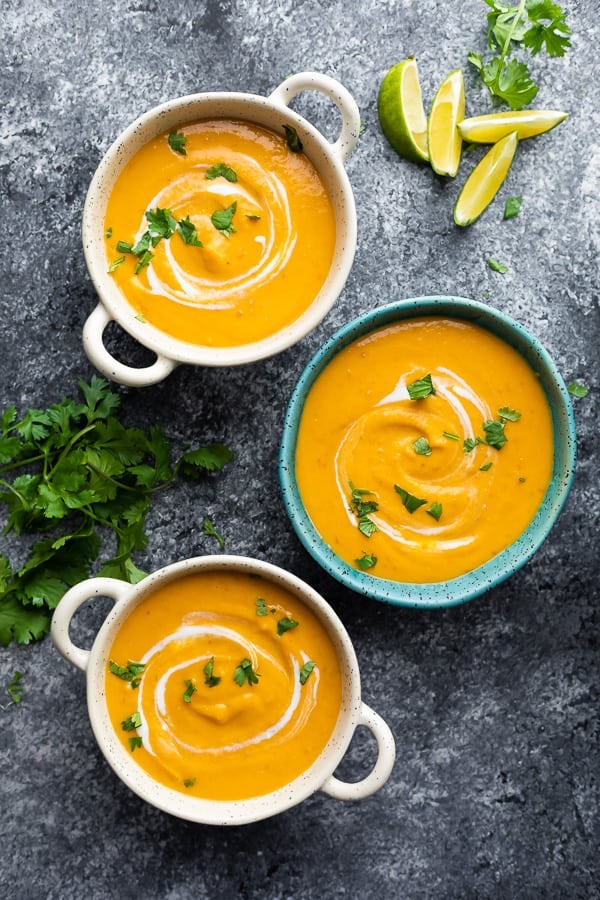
(465,587)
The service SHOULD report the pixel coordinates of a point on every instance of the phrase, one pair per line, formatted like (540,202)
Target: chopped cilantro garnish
(496,266)
(124,247)
(510,415)
(261,607)
(210,679)
(450,436)
(15,688)
(578,389)
(435,510)
(161,224)
(422,447)
(363,509)
(132,722)
(190,688)
(222,171)
(293,139)
(512,207)
(366,561)
(245,673)
(305,671)
(189,782)
(187,232)
(486,467)
(115,264)
(420,389)
(132,672)
(494,434)
(209,529)
(144,260)
(409,500)
(222,219)
(286,624)
(177,142)
(135,742)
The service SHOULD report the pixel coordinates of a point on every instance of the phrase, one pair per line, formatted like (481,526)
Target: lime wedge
(444,139)
(526,122)
(485,180)
(401,114)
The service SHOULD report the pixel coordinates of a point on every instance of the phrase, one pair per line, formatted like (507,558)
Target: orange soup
(219,233)
(223,685)
(424,449)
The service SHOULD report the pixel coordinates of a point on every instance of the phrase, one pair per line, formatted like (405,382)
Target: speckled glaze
(474,583)
(271,112)
(318,777)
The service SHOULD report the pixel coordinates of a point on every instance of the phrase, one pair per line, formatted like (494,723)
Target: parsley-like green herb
(253,217)
(578,389)
(115,264)
(421,388)
(509,415)
(422,447)
(14,687)
(409,500)
(496,266)
(363,509)
(486,467)
(245,673)
(70,474)
(286,624)
(124,247)
(189,782)
(135,742)
(222,219)
(530,25)
(435,510)
(261,607)
(209,529)
(305,671)
(161,224)
(144,260)
(108,233)
(512,207)
(293,139)
(494,434)
(132,672)
(366,561)
(209,678)
(221,171)
(470,444)
(177,142)
(187,232)
(190,689)
(450,436)
(130,724)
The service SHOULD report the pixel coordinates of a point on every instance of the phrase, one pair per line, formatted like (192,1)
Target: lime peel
(401,113)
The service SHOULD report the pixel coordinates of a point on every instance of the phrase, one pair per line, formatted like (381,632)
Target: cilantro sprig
(362,509)
(529,26)
(71,474)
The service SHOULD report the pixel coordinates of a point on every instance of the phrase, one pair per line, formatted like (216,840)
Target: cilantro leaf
(366,561)
(261,607)
(286,624)
(512,207)
(578,389)
(132,722)
(435,510)
(494,434)
(421,446)
(244,673)
(209,529)
(496,266)
(14,687)
(421,388)
(204,459)
(306,670)
(220,170)
(293,139)
(177,142)
(190,688)
(363,509)
(210,679)
(187,232)
(510,415)
(409,500)
(222,219)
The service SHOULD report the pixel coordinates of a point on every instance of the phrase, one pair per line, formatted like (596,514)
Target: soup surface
(223,685)
(218,233)
(424,449)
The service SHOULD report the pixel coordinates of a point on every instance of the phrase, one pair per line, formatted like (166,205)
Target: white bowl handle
(345,102)
(97,353)
(86,590)
(345,790)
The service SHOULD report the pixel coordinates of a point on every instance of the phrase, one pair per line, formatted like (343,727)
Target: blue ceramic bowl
(466,587)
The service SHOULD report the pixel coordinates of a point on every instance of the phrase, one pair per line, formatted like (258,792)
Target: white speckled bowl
(271,112)
(319,777)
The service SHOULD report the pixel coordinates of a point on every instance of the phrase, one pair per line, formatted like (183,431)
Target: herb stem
(506,48)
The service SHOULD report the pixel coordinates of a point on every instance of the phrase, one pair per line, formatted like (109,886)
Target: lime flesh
(401,114)
(485,180)
(444,139)
(527,123)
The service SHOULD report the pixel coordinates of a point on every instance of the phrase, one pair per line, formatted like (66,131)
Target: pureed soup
(424,449)
(219,233)
(223,685)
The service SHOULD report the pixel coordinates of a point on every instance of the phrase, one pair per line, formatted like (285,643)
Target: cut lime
(485,180)
(401,113)
(444,139)
(526,122)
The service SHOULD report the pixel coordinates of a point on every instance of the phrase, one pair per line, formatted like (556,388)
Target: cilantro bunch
(73,473)
(530,26)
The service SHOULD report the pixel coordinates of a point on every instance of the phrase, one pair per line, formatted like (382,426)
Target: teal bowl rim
(465,587)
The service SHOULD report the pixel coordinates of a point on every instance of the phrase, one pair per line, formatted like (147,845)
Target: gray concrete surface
(494,705)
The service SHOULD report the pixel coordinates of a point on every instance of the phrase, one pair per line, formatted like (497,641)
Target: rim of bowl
(434,595)
(199,809)
(178,112)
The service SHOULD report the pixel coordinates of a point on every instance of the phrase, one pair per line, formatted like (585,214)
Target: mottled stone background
(494,705)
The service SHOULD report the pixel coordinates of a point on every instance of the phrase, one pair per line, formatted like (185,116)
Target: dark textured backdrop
(494,704)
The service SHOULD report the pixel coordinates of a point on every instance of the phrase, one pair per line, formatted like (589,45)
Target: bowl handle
(97,353)
(86,590)
(345,102)
(344,790)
